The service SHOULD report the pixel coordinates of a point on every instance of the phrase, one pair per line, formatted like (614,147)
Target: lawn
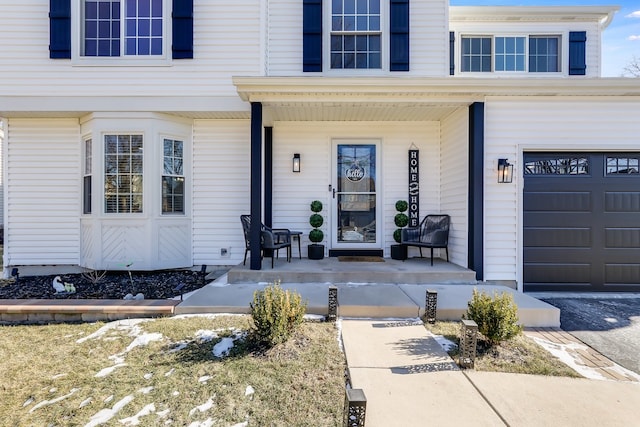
(519,354)
(194,371)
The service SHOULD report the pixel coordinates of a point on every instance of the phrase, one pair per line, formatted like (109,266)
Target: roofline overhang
(403,89)
(602,14)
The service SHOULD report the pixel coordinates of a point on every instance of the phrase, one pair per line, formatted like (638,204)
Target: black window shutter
(577,53)
(399,35)
(60,29)
(182,21)
(311,35)
(452,45)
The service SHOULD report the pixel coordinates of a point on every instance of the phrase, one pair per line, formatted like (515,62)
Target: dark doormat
(360,259)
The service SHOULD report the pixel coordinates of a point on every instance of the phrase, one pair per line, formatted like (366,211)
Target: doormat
(360,259)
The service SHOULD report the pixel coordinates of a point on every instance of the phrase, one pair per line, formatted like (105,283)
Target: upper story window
(123,28)
(544,54)
(510,54)
(356,37)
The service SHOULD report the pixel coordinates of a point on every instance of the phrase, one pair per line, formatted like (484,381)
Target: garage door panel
(559,219)
(556,237)
(622,238)
(616,274)
(557,201)
(578,273)
(618,201)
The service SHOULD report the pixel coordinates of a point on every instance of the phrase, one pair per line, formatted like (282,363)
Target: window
(123,174)
(123,28)
(476,54)
(544,54)
(86,178)
(622,165)
(557,165)
(510,54)
(534,54)
(173,177)
(355,34)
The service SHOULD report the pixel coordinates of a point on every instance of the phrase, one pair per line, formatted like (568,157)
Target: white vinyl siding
(221,189)
(43,192)
(454,188)
(549,124)
(226,43)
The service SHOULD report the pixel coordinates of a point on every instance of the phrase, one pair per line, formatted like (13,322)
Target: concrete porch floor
(332,270)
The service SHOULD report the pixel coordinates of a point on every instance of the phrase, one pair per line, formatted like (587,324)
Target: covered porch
(311,119)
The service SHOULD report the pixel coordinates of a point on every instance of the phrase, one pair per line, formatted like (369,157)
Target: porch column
(268,176)
(476,189)
(256,184)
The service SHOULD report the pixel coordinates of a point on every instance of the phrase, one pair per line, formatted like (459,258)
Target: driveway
(609,323)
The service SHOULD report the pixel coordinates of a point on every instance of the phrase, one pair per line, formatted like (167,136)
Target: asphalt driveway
(609,324)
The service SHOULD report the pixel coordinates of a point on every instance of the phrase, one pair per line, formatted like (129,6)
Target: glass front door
(354,196)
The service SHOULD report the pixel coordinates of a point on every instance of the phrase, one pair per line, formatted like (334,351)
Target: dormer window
(356,36)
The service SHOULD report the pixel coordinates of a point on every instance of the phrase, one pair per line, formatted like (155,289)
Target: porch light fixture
(505,171)
(296,162)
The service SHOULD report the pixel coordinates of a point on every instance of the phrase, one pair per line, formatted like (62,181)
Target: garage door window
(622,165)
(556,165)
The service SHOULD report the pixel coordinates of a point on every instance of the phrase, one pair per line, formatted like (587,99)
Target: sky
(620,40)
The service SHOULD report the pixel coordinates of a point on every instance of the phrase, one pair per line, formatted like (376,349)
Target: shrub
(315,220)
(401,219)
(276,313)
(497,317)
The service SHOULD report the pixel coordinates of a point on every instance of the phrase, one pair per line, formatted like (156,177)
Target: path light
(333,304)
(355,408)
(468,341)
(505,171)
(430,306)
(296,162)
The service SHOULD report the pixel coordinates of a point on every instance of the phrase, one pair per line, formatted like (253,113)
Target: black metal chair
(275,239)
(433,232)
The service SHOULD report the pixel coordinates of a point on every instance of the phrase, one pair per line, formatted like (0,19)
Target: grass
(519,354)
(300,382)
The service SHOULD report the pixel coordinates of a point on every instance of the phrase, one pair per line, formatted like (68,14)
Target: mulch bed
(114,285)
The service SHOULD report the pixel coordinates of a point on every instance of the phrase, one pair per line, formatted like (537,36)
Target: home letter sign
(414,188)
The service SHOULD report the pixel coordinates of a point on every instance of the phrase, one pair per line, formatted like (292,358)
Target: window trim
(384,44)
(77,38)
(163,138)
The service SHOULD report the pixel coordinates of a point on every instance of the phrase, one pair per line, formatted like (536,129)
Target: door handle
(334,193)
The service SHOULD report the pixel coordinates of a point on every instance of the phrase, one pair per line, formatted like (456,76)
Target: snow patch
(202,408)
(249,391)
(143,340)
(106,371)
(243,424)
(135,420)
(171,371)
(147,376)
(85,402)
(204,378)
(52,401)
(145,390)
(447,345)
(206,335)
(106,414)
(223,348)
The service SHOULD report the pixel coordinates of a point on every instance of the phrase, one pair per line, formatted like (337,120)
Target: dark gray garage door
(581,222)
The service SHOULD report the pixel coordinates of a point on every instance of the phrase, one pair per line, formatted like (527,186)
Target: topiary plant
(401,219)
(315,220)
(497,317)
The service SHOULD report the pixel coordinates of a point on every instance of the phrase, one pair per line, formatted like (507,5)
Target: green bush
(316,220)
(402,205)
(497,317)
(401,219)
(275,313)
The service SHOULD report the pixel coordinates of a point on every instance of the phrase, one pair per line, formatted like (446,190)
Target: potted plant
(316,250)
(400,220)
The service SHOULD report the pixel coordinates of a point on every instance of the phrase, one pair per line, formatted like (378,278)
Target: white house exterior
(137,132)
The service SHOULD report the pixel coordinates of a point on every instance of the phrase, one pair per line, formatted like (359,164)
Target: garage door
(581,222)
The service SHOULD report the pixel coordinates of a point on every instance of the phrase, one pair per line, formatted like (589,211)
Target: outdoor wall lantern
(296,162)
(505,171)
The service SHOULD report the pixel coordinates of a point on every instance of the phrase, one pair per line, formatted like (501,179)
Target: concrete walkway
(409,380)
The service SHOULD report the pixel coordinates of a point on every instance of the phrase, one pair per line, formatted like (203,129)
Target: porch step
(332,270)
(373,300)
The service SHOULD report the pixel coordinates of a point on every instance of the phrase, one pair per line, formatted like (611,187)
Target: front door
(355,197)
